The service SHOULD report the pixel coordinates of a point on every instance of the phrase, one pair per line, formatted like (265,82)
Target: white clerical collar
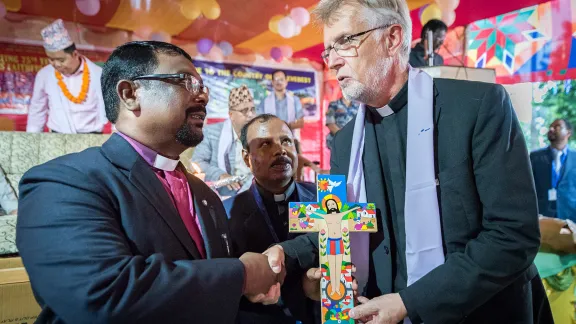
(385,111)
(164,163)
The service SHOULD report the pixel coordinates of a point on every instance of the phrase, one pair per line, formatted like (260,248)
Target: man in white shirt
(67,93)
(220,153)
(283,104)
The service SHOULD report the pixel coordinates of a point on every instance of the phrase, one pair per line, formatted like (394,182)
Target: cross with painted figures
(333,218)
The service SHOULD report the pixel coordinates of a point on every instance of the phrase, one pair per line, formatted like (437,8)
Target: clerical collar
(396,104)
(277,197)
(150,156)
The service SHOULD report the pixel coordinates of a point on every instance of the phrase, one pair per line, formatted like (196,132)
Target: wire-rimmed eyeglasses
(191,83)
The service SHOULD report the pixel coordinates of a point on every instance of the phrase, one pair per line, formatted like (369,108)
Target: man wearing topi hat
(220,153)
(67,94)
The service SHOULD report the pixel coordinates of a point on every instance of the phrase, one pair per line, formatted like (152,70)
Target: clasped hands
(264,278)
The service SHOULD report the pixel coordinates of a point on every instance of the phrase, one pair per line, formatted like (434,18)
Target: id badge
(552,195)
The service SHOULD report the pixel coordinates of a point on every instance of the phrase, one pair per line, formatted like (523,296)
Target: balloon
(286,27)
(144,32)
(211,10)
(286,51)
(190,9)
(227,48)
(273,23)
(430,12)
(88,7)
(276,54)
(301,16)
(447,5)
(2,10)
(297,31)
(160,37)
(204,46)
(448,17)
(215,54)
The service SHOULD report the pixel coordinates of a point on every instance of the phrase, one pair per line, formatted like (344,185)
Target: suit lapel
(304,195)
(567,164)
(140,174)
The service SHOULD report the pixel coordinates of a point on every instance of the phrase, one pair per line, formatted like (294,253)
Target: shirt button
(386,250)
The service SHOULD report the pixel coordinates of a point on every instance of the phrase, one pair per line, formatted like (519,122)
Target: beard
(188,136)
(333,210)
(367,93)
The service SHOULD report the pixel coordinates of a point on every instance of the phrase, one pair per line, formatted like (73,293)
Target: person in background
(554,170)
(122,233)
(283,104)
(446,165)
(68,90)
(8,200)
(339,113)
(219,155)
(419,54)
(259,216)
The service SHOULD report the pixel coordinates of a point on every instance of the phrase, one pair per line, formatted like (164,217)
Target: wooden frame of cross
(333,218)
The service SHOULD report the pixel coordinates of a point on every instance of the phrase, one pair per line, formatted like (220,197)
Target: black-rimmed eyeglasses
(190,82)
(347,45)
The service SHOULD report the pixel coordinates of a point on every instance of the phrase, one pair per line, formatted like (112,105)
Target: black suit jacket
(103,243)
(488,211)
(250,233)
(565,205)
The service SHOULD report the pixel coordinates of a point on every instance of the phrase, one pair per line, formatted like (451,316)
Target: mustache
(282,160)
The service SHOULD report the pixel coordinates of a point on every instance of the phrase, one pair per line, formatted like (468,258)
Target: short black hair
(128,61)
(279,71)
(70,49)
(434,25)
(260,118)
(567,123)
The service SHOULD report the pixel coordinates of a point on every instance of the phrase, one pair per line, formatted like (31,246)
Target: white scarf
(270,106)
(424,250)
(226,139)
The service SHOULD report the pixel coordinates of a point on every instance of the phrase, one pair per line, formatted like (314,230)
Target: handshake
(265,273)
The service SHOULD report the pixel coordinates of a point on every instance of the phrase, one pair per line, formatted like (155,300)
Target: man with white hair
(447,167)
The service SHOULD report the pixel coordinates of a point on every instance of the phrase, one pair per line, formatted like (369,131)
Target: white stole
(270,106)
(424,249)
(224,144)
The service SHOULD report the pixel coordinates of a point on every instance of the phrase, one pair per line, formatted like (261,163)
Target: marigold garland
(83,90)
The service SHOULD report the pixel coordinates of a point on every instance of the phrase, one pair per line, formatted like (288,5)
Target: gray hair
(376,13)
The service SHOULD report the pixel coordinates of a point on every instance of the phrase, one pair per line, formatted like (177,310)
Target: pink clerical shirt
(49,106)
(176,185)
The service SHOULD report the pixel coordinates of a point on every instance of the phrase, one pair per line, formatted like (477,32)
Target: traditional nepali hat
(240,95)
(56,37)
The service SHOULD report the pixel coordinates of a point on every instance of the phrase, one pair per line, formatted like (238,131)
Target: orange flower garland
(83,91)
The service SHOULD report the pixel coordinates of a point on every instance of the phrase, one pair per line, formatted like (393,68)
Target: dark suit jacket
(103,243)
(565,206)
(417,54)
(250,233)
(488,209)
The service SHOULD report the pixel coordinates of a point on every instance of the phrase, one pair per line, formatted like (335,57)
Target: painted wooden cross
(334,218)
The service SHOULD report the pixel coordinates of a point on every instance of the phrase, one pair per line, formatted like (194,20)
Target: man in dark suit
(259,216)
(554,172)
(121,233)
(483,205)
(419,55)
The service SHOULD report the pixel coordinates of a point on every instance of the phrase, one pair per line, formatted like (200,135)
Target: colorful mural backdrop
(536,43)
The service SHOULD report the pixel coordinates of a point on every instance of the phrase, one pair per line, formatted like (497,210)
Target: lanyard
(263,211)
(556,175)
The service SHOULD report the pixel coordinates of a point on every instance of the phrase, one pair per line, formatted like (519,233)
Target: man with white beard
(446,164)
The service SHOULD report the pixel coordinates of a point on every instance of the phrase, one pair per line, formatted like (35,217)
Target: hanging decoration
(429,12)
(448,7)
(144,32)
(190,9)
(286,51)
(291,25)
(204,46)
(226,48)
(88,7)
(210,9)
(276,54)
(160,36)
